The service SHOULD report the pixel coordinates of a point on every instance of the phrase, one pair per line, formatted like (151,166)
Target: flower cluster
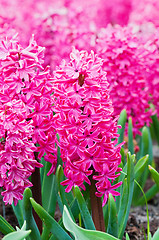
(152,64)
(74,25)
(25,116)
(17,160)
(60,25)
(124,56)
(85,124)
(61,29)
(145,12)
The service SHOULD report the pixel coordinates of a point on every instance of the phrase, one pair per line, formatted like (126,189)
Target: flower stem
(96,206)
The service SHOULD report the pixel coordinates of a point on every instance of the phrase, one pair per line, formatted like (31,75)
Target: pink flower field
(79,88)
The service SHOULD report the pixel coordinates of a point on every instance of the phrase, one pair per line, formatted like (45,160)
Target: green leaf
(121,122)
(50,222)
(147,213)
(127,199)
(130,137)
(106,216)
(149,236)
(28,215)
(49,197)
(20,234)
(5,227)
(145,142)
(156,126)
(140,166)
(149,195)
(139,169)
(123,162)
(155,175)
(75,208)
(127,237)
(156,235)
(120,189)
(87,219)
(18,210)
(146,148)
(83,234)
(113,218)
(66,198)
(43,162)
(150,150)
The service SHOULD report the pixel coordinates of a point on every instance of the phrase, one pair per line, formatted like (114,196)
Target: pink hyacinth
(152,63)
(103,12)
(76,24)
(16,151)
(61,29)
(85,124)
(124,57)
(145,12)
(26,116)
(59,25)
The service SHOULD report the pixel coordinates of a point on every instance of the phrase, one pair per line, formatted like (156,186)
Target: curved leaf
(156,235)
(140,166)
(80,233)
(127,237)
(66,198)
(113,219)
(156,126)
(18,212)
(127,195)
(130,136)
(121,122)
(5,227)
(155,175)
(87,219)
(20,235)
(28,215)
(50,222)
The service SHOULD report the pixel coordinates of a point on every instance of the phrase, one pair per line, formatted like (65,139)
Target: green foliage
(18,210)
(156,235)
(5,227)
(130,137)
(155,126)
(49,221)
(75,205)
(20,234)
(113,217)
(28,215)
(122,122)
(126,195)
(155,175)
(87,219)
(80,233)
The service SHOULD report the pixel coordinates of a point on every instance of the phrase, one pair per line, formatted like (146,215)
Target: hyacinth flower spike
(86,127)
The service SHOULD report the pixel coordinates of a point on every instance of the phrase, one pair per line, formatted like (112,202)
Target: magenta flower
(145,12)
(26,116)
(16,149)
(124,57)
(85,124)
